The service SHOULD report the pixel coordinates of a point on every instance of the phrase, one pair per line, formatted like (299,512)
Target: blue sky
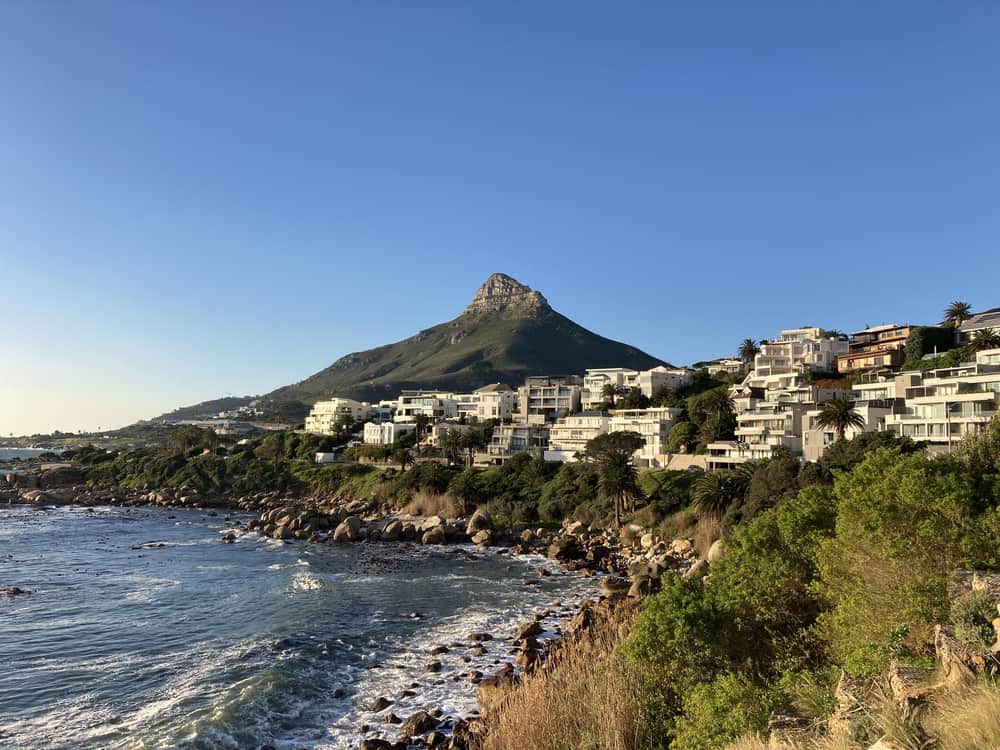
(208,198)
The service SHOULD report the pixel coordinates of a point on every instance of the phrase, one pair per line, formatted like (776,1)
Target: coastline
(627,566)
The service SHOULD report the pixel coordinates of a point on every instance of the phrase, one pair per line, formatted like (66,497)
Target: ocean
(144,631)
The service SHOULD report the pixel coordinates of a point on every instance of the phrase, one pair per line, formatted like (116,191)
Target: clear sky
(207,198)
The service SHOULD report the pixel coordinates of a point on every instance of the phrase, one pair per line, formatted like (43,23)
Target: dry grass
(587,696)
(967,720)
(750,742)
(680,525)
(425,503)
(707,531)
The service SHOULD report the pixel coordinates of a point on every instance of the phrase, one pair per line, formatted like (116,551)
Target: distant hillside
(507,332)
(205,408)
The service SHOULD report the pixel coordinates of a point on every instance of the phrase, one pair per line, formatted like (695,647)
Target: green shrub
(718,712)
(972,615)
(902,523)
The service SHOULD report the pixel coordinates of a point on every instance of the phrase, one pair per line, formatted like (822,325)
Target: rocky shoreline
(628,563)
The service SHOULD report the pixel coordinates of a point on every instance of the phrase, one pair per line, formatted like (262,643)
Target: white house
(943,406)
(433,405)
(325,415)
(653,425)
(386,433)
(510,439)
(570,435)
(545,398)
(495,401)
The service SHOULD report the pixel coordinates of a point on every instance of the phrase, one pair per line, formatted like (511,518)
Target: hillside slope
(506,333)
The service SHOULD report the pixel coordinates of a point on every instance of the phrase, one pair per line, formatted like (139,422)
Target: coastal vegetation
(838,570)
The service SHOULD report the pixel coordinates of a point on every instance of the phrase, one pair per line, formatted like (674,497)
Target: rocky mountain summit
(501,293)
(507,332)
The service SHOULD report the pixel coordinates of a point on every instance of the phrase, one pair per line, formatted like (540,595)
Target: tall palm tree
(748,350)
(957,313)
(421,421)
(712,494)
(985,338)
(617,481)
(839,414)
(609,393)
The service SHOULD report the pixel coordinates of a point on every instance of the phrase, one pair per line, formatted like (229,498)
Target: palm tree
(421,421)
(609,393)
(618,481)
(957,313)
(839,414)
(983,339)
(617,478)
(450,443)
(748,350)
(713,493)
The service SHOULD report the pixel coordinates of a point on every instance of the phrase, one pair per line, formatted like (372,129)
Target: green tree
(609,393)
(420,421)
(748,350)
(713,493)
(683,436)
(189,437)
(612,452)
(957,313)
(471,441)
(902,523)
(839,415)
(402,457)
(983,339)
(450,443)
(635,399)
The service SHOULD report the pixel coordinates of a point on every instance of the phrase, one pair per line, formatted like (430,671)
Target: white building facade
(943,406)
(325,415)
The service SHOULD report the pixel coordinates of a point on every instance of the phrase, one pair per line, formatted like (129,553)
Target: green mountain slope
(507,332)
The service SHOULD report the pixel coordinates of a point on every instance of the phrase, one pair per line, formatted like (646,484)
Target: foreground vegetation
(845,575)
(838,567)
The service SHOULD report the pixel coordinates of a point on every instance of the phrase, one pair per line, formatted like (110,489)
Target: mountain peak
(501,292)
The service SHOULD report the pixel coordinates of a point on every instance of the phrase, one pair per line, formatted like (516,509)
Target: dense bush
(902,524)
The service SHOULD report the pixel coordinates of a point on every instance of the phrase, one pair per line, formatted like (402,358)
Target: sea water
(143,630)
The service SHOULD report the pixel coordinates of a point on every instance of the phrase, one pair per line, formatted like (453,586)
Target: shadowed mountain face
(508,331)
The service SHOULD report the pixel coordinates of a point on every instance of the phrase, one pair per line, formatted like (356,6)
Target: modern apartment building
(943,406)
(386,433)
(510,439)
(650,381)
(978,322)
(596,379)
(797,351)
(545,398)
(816,439)
(570,435)
(623,379)
(654,425)
(496,401)
(881,347)
(727,366)
(325,415)
(430,404)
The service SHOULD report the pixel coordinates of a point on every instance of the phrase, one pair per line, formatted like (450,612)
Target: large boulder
(480,521)
(612,586)
(564,548)
(716,551)
(347,530)
(432,521)
(418,723)
(483,538)
(434,535)
(393,530)
(492,691)
(630,534)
